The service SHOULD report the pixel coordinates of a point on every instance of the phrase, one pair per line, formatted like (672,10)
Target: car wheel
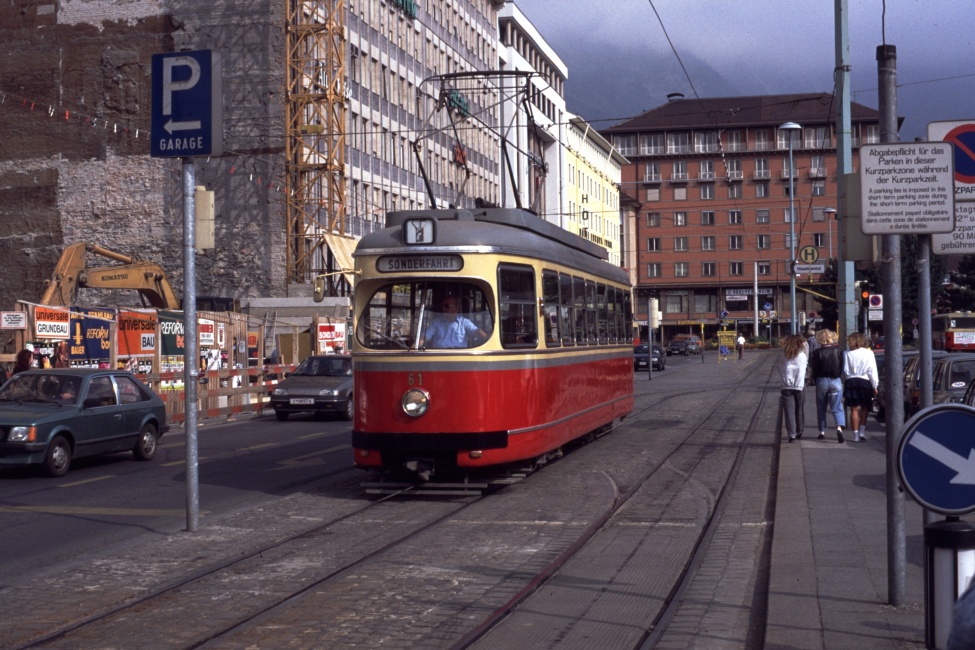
(281,416)
(57,460)
(145,449)
(349,411)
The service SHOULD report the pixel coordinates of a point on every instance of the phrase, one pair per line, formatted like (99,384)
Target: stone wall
(74,122)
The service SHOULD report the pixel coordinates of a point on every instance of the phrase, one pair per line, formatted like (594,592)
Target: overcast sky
(620,62)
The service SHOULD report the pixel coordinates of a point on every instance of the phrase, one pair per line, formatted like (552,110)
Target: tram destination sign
(907,188)
(412,263)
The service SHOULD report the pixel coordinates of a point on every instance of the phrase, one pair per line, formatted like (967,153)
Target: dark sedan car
(641,352)
(677,347)
(320,384)
(52,416)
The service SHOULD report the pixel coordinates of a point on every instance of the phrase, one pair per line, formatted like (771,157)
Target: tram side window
(550,307)
(519,325)
(627,312)
(579,306)
(602,315)
(611,324)
(567,317)
(591,334)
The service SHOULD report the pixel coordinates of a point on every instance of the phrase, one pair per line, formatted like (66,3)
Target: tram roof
(512,230)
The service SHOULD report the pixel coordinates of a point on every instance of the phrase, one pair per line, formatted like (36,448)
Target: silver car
(320,384)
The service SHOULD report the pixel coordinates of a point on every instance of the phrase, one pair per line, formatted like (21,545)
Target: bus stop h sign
(187,104)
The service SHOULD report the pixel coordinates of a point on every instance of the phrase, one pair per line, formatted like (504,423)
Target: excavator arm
(71,274)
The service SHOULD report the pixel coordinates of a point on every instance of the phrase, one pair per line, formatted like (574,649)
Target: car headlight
(279,392)
(22,434)
(416,401)
(328,392)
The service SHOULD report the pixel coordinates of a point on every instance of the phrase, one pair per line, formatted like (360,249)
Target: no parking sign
(961,135)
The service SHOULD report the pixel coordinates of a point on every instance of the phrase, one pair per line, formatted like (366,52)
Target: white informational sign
(961,135)
(331,338)
(875,314)
(808,269)
(13,320)
(207,332)
(907,188)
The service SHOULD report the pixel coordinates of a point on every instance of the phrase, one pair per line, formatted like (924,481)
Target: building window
(680,269)
(788,241)
(761,140)
(819,188)
(680,244)
(680,218)
(873,134)
(734,242)
(782,137)
(653,194)
(734,217)
(675,303)
(708,269)
(735,268)
(653,245)
(680,170)
(761,216)
(651,144)
(761,190)
(734,169)
(707,218)
(764,241)
(734,141)
(653,270)
(653,220)
(707,243)
(680,193)
(705,303)
(705,142)
(817,138)
(625,144)
(677,143)
(707,192)
(761,168)
(819,239)
(652,173)
(788,214)
(706,170)
(765,268)
(734,191)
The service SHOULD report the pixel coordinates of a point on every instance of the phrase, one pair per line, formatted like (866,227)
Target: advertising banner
(136,333)
(91,334)
(51,323)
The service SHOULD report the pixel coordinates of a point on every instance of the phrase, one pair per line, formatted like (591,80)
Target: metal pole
(792,239)
(191,358)
(924,334)
(846,299)
(896,545)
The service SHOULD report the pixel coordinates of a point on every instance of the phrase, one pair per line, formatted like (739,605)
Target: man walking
(740,344)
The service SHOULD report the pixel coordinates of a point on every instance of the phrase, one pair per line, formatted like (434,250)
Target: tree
(960,293)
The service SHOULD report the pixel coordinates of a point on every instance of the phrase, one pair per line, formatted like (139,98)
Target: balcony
(706,177)
(762,174)
(651,178)
(786,174)
(817,172)
(678,177)
(734,175)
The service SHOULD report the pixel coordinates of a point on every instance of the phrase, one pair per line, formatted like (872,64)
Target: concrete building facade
(712,179)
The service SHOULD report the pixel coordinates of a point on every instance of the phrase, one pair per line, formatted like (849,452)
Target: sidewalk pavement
(829,581)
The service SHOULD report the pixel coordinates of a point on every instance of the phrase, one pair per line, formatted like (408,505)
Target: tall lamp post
(829,213)
(791,128)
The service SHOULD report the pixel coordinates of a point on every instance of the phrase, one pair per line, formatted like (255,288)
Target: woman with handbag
(860,380)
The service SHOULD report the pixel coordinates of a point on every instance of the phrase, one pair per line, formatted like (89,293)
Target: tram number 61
(415,379)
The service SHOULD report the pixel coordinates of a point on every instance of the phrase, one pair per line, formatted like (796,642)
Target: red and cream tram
(484,337)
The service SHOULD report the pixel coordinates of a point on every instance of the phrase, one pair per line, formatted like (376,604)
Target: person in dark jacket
(24,359)
(826,364)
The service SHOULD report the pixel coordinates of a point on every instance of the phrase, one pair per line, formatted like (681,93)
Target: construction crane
(315,136)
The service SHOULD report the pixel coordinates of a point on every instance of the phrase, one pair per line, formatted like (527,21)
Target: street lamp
(829,213)
(791,128)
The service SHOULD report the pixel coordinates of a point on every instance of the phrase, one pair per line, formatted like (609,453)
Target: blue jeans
(829,393)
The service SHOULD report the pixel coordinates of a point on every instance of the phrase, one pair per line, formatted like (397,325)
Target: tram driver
(449,329)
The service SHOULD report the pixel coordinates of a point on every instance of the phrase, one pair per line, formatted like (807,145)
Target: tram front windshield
(425,315)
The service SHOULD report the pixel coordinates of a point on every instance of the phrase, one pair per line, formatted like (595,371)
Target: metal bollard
(949,565)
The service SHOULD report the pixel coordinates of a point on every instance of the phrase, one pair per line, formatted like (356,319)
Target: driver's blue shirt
(447,332)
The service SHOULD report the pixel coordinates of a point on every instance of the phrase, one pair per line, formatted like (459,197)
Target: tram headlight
(416,401)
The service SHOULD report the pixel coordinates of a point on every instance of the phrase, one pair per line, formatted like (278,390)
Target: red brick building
(712,179)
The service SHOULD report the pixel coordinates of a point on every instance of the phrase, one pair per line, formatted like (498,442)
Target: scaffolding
(315,139)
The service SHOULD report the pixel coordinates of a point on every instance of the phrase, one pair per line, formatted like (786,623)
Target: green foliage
(960,294)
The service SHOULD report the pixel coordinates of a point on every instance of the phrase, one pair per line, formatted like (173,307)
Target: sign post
(936,463)
(187,120)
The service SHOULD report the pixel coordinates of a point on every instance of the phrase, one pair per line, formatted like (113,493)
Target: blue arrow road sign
(936,458)
(187,104)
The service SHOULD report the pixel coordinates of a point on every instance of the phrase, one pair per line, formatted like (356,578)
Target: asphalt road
(108,500)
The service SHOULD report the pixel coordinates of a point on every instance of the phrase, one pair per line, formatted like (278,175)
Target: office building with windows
(712,239)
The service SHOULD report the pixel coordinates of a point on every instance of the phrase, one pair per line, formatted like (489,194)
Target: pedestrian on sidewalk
(740,344)
(826,364)
(792,372)
(860,379)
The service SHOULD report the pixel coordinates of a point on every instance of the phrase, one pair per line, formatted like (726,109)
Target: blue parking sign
(187,104)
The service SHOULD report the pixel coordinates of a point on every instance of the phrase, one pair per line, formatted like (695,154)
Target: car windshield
(324,367)
(50,388)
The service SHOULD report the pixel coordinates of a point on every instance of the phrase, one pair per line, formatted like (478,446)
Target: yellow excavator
(72,274)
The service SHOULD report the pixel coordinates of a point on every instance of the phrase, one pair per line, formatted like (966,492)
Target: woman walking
(826,365)
(792,372)
(859,382)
